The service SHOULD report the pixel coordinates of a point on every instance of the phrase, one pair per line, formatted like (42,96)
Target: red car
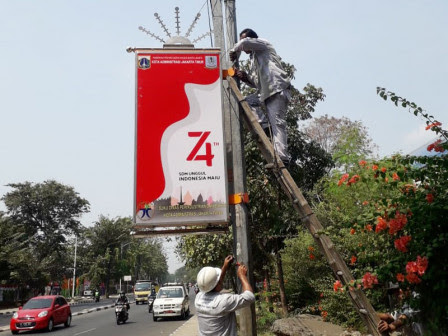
(41,312)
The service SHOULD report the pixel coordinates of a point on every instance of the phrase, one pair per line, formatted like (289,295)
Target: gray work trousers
(276,107)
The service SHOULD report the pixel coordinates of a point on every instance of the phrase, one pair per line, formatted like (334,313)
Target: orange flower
(383,169)
(368,280)
(310,248)
(413,278)
(369,227)
(436,146)
(422,265)
(343,178)
(430,198)
(381,224)
(395,177)
(400,277)
(374,167)
(354,179)
(434,124)
(365,202)
(337,286)
(415,269)
(353,260)
(324,315)
(362,163)
(312,257)
(401,243)
(352,231)
(397,223)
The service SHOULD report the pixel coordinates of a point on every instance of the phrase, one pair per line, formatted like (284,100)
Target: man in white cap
(216,310)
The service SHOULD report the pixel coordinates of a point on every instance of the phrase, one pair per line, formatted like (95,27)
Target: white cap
(208,278)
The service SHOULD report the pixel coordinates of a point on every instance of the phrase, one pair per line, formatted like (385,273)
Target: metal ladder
(307,216)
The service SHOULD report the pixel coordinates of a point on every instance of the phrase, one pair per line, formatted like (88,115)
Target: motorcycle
(151,299)
(97,296)
(121,312)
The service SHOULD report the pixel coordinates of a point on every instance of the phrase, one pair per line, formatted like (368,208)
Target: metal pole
(74,269)
(235,159)
(121,259)
(240,212)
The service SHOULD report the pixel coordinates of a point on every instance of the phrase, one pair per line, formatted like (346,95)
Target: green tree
(273,218)
(105,240)
(206,250)
(111,252)
(43,215)
(347,141)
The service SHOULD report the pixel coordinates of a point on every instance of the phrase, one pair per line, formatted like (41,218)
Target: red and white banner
(180,173)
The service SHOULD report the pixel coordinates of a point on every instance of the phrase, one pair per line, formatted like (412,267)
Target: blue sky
(67,92)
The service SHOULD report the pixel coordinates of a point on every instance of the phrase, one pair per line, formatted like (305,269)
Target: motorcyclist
(122,299)
(97,295)
(151,298)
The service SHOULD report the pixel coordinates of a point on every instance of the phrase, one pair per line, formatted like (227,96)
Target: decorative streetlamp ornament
(177,40)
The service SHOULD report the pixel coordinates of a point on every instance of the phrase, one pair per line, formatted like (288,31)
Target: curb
(85,311)
(190,327)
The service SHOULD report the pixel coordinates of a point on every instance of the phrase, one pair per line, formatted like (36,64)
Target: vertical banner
(180,173)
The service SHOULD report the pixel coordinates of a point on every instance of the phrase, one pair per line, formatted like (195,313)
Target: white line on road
(83,332)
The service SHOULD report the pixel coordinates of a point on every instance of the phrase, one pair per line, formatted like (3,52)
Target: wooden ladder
(307,216)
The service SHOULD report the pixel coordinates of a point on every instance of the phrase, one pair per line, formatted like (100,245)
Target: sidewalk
(189,328)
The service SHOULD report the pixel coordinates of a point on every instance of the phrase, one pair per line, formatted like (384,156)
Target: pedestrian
(216,310)
(268,76)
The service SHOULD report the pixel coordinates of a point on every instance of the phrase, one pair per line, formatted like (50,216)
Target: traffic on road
(91,318)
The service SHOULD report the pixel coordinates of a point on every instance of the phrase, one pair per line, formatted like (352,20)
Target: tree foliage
(39,218)
(272,217)
(387,219)
(347,141)
(111,252)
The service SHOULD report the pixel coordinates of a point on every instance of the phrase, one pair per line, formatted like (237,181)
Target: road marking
(83,332)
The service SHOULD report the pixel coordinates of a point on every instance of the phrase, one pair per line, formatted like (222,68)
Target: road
(102,322)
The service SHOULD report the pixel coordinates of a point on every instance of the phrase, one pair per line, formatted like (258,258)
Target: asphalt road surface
(103,323)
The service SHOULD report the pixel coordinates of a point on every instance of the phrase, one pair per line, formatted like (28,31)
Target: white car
(171,301)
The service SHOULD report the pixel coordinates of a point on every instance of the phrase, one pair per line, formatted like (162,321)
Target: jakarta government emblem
(144,62)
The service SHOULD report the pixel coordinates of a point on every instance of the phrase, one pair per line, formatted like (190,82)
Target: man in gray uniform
(271,80)
(216,310)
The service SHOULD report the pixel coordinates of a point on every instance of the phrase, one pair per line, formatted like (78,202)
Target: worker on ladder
(272,82)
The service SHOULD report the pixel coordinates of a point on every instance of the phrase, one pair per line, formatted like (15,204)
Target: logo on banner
(211,62)
(194,156)
(144,62)
(146,211)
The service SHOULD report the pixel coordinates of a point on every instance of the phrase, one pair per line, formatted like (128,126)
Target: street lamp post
(74,269)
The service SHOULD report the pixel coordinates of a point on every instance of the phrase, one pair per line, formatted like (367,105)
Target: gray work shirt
(267,73)
(216,312)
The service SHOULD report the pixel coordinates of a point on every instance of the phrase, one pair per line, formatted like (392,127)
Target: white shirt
(216,312)
(267,73)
